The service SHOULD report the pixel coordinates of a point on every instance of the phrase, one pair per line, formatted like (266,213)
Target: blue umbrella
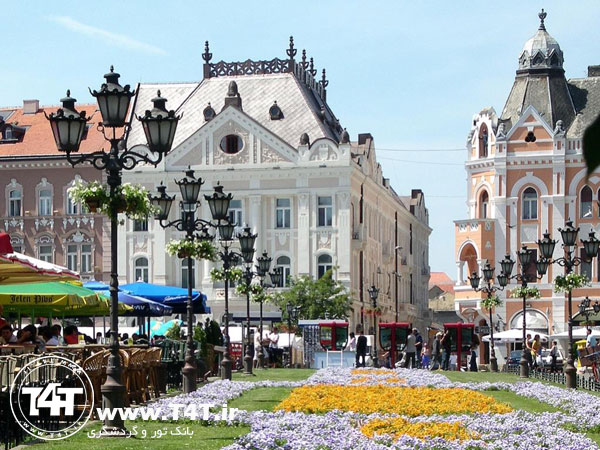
(141,306)
(172,296)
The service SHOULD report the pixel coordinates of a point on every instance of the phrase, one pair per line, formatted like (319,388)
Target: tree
(324,298)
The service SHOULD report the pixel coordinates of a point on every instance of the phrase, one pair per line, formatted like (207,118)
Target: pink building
(526,175)
(34,206)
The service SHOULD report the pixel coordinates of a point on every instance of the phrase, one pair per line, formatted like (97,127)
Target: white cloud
(116,39)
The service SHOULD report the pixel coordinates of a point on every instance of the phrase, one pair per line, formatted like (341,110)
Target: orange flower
(397,427)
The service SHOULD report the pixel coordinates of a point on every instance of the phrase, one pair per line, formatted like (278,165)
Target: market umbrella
(141,307)
(19,268)
(101,308)
(172,296)
(158,328)
(47,299)
(514,335)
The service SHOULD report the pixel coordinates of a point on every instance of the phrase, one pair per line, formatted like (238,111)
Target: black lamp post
(525,256)
(276,281)
(489,288)
(230,258)
(190,191)
(374,293)
(247,240)
(68,126)
(591,245)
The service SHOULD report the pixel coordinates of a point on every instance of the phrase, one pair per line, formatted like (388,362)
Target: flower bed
(439,428)
(408,401)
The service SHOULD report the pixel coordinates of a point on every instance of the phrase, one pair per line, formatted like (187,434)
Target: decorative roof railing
(303,70)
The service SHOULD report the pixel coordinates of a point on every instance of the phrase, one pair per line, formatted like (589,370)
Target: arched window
(14,203)
(45,202)
(530,203)
(483,205)
(483,141)
(141,269)
(323,265)
(284,263)
(585,205)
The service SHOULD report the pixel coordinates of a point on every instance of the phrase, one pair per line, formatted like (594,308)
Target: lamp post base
(248,361)
(523,367)
(571,374)
(190,375)
(493,364)
(261,358)
(226,367)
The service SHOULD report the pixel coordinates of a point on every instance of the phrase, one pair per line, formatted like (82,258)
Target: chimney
(593,71)
(31,106)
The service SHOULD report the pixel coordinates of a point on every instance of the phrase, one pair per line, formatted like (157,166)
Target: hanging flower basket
(191,249)
(570,282)
(92,204)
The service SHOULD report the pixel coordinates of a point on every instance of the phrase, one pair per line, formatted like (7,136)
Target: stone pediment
(231,138)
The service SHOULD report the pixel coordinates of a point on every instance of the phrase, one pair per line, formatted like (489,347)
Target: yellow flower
(408,401)
(397,427)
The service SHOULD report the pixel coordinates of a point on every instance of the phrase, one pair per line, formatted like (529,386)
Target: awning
(140,307)
(578,333)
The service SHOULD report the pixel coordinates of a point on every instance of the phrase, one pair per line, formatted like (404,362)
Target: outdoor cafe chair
(93,367)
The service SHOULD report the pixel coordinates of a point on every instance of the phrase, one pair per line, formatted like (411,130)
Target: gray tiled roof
(175,93)
(258,92)
(586,96)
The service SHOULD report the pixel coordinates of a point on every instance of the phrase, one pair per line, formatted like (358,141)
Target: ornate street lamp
(525,257)
(489,288)
(247,240)
(264,262)
(189,187)
(68,126)
(586,309)
(569,261)
(373,294)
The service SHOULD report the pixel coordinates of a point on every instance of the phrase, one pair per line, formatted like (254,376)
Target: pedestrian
(446,349)
(257,348)
(7,336)
(527,350)
(71,335)
(419,346)
(2,321)
(590,340)
(351,345)
(425,357)
(361,348)
(436,351)
(411,349)
(536,349)
(453,361)
(553,356)
(273,347)
(473,359)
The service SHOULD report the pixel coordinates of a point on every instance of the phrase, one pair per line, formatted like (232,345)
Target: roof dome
(541,51)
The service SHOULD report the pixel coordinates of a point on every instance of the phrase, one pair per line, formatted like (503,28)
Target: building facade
(317,199)
(525,175)
(35,208)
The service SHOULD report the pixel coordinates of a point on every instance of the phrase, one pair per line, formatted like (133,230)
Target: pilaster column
(303,233)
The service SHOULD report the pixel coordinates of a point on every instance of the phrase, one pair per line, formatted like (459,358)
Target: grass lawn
(518,402)
(204,438)
(478,377)
(275,375)
(260,399)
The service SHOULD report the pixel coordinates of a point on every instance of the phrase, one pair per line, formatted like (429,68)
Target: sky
(411,73)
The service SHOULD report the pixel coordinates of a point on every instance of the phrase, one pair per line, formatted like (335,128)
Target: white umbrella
(578,333)
(514,335)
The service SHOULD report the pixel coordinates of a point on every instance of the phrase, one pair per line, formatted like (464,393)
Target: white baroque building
(317,200)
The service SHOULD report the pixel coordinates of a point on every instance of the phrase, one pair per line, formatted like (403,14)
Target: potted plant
(135,202)
(186,248)
(93,194)
(570,282)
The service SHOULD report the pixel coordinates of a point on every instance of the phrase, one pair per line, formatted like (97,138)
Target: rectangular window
(325,211)
(140,225)
(45,253)
(585,268)
(283,213)
(72,207)
(86,258)
(72,257)
(184,273)
(45,206)
(14,208)
(235,213)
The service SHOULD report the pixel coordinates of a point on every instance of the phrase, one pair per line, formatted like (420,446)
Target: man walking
(436,352)
(411,349)
(446,349)
(361,348)
(419,347)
